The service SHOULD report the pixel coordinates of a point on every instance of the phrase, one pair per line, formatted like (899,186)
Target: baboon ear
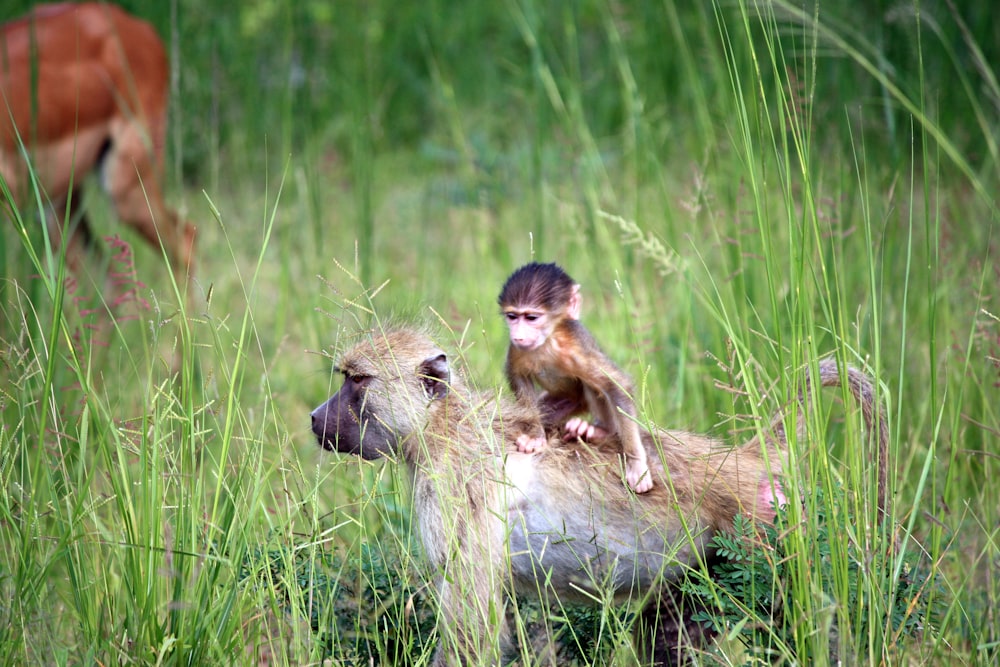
(575,303)
(435,375)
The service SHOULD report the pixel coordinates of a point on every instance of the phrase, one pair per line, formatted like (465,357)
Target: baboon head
(389,382)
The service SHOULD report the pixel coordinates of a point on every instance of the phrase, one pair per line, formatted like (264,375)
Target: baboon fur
(558,522)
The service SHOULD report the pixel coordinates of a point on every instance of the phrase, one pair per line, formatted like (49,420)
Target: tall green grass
(740,188)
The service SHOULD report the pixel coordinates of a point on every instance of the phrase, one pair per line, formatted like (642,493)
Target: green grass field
(740,188)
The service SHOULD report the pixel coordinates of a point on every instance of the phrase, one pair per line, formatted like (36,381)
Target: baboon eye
(355,380)
(531,317)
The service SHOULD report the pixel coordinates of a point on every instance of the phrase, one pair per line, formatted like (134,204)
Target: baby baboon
(559,521)
(551,348)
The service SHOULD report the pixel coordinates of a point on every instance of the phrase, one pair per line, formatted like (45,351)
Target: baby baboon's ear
(435,375)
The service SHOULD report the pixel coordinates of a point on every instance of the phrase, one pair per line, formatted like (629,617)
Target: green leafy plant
(751,597)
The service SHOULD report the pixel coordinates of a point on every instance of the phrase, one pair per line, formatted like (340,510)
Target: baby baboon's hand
(527,444)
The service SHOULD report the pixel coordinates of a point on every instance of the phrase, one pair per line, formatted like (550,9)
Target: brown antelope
(83,88)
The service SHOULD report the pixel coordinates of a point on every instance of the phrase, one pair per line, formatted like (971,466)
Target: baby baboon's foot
(584,430)
(638,477)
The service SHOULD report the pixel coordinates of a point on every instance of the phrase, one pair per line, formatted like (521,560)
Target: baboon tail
(862,388)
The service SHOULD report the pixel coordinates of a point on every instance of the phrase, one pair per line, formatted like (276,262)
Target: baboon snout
(339,426)
(325,432)
(318,417)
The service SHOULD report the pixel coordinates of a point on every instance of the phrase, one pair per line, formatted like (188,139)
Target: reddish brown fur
(86,86)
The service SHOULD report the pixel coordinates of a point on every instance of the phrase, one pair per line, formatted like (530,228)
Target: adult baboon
(493,519)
